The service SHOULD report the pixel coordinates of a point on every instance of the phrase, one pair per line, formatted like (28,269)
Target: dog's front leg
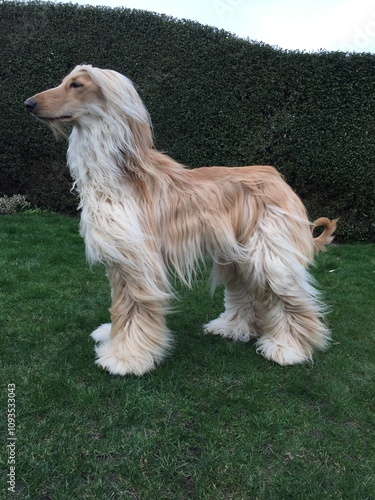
(138,338)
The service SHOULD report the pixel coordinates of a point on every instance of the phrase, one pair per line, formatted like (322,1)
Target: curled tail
(326,237)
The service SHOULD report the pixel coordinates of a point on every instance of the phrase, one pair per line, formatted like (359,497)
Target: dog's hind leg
(291,309)
(139,337)
(240,319)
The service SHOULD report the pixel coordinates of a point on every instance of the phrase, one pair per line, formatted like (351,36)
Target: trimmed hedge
(214,100)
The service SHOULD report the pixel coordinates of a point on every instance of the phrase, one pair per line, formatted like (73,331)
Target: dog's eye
(75,85)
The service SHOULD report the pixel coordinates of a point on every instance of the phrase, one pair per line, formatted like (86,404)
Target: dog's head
(88,93)
(68,102)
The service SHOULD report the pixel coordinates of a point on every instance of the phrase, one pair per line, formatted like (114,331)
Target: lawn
(214,421)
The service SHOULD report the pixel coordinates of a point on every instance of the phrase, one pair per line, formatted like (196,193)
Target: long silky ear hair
(134,130)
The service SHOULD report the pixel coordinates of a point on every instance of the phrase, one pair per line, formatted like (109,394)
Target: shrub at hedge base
(214,100)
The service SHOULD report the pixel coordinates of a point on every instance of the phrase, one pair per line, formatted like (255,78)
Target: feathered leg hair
(271,297)
(138,338)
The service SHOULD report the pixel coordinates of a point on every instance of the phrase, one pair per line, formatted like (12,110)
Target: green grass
(214,421)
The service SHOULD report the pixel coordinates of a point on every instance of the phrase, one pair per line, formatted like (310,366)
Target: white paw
(235,330)
(216,327)
(102,333)
(120,362)
(291,354)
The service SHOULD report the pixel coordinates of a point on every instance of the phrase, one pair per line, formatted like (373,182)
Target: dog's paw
(120,362)
(102,333)
(289,354)
(234,330)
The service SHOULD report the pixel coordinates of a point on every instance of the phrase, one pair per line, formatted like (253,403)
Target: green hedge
(214,100)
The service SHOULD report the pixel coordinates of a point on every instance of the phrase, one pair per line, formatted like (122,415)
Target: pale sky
(346,25)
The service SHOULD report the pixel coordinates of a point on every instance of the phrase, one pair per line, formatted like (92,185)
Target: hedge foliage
(214,100)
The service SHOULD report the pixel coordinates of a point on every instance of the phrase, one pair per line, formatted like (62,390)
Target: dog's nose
(30,104)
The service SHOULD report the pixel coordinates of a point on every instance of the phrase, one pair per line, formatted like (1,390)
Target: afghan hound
(143,214)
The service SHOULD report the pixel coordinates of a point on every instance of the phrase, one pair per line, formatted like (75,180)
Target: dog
(143,214)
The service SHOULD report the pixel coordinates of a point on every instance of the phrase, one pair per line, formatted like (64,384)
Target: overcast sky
(346,25)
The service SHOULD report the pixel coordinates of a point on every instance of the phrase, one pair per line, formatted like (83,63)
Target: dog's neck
(106,193)
(102,162)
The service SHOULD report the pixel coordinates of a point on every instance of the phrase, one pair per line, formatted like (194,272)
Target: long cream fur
(143,214)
